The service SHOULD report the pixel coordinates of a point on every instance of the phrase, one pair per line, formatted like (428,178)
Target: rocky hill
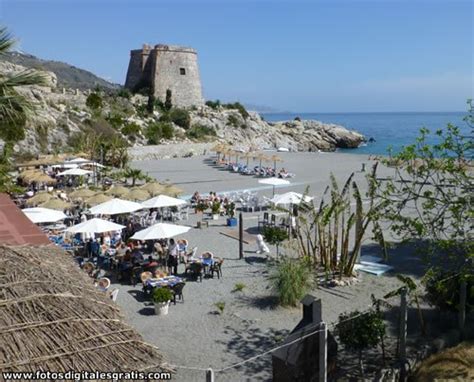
(63,115)
(68,76)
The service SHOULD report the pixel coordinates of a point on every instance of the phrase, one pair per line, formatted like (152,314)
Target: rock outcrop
(63,112)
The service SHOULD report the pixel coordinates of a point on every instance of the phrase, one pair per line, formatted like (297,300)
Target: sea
(393,130)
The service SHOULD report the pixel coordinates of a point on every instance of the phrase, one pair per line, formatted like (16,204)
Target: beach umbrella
(79,160)
(274,182)
(275,158)
(161,201)
(82,193)
(117,190)
(154,188)
(115,207)
(95,226)
(172,190)
(97,199)
(26,174)
(56,204)
(39,198)
(41,177)
(43,215)
(160,231)
(248,156)
(290,198)
(75,172)
(137,194)
(65,165)
(261,157)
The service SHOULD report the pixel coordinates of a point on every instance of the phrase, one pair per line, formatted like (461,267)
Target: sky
(293,55)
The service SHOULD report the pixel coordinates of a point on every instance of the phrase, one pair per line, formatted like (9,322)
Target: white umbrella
(290,198)
(95,226)
(114,207)
(75,172)
(162,201)
(160,231)
(78,160)
(43,215)
(65,165)
(274,182)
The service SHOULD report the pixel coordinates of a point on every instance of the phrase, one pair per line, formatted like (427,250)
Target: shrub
(94,101)
(115,120)
(298,119)
(157,131)
(180,117)
(162,295)
(239,287)
(442,290)
(168,103)
(359,331)
(131,129)
(238,106)
(213,104)
(291,280)
(220,306)
(200,131)
(233,120)
(124,93)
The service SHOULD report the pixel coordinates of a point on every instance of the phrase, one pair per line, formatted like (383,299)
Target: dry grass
(456,363)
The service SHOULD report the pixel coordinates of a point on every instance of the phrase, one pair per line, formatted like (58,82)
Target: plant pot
(231,222)
(215,216)
(161,308)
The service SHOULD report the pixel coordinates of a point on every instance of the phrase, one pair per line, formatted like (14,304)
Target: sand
(193,334)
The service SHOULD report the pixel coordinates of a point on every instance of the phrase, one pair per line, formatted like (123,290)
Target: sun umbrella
(82,193)
(160,231)
(43,215)
(117,190)
(172,190)
(262,157)
(275,159)
(274,182)
(115,206)
(97,199)
(56,204)
(25,174)
(39,198)
(162,201)
(75,172)
(137,194)
(290,198)
(95,226)
(79,160)
(154,188)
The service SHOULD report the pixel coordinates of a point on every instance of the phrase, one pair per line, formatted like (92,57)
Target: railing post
(241,236)
(323,352)
(402,351)
(209,375)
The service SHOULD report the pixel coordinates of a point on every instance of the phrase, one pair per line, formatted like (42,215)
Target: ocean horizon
(388,129)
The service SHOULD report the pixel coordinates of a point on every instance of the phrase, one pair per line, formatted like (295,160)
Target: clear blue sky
(322,56)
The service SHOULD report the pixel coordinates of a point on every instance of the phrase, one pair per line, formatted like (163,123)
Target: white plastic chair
(114,294)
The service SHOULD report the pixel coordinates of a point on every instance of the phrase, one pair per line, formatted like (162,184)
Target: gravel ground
(193,334)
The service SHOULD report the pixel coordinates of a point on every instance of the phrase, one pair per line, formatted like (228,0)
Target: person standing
(173,253)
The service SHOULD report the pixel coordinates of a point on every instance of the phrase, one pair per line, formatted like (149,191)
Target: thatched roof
(53,318)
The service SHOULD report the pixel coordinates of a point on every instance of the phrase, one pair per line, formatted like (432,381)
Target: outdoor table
(163,282)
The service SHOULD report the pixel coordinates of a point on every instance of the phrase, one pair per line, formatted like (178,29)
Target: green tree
(360,331)
(180,117)
(134,174)
(168,102)
(275,236)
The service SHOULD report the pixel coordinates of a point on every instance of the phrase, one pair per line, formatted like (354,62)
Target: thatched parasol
(56,204)
(117,190)
(97,199)
(137,195)
(172,191)
(41,197)
(82,193)
(26,174)
(54,318)
(247,156)
(262,158)
(42,178)
(275,158)
(154,188)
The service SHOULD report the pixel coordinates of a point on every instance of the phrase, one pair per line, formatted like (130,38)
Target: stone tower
(165,67)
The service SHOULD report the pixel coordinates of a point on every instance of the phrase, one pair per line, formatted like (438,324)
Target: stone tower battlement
(161,67)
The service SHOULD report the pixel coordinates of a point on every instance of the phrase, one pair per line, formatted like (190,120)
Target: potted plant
(161,298)
(215,209)
(201,206)
(230,212)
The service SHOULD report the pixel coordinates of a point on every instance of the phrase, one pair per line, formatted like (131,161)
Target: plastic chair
(177,291)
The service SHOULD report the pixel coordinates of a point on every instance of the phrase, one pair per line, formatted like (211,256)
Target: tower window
(182,71)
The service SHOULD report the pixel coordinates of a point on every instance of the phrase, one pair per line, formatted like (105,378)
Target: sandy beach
(194,335)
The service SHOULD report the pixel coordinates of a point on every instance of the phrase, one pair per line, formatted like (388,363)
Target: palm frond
(6,40)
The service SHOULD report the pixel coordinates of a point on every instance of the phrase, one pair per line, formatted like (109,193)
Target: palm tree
(135,174)
(14,107)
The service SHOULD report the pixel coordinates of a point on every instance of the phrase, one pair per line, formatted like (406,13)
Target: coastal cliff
(62,113)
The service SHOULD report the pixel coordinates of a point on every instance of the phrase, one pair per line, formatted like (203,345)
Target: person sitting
(195,198)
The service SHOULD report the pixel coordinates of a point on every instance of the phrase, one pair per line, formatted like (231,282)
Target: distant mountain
(260,108)
(68,76)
